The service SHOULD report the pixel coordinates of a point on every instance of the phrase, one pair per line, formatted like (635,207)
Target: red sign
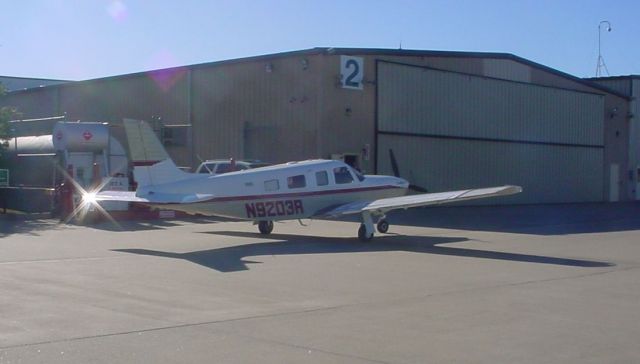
(87,135)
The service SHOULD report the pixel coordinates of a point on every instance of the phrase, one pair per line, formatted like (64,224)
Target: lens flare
(117,10)
(88,202)
(89,197)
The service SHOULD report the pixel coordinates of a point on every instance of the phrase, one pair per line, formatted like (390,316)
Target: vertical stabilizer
(151,162)
(144,146)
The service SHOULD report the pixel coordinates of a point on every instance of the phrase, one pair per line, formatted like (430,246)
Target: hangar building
(452,119)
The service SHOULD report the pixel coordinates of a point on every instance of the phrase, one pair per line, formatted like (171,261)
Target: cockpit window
(342,175)
(358,174)
(208,168)
(223,168)
(228,167)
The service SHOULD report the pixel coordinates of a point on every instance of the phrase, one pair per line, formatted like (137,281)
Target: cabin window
(322,178)
(296,181)
(342,175)
(271,185)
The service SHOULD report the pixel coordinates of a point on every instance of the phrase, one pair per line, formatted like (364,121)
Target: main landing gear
(365,232)
(265,227)
(382,226)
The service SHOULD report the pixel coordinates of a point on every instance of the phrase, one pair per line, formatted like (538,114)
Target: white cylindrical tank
(80,137)
(40,144)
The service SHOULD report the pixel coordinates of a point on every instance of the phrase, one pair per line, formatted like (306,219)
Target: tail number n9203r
(274,208)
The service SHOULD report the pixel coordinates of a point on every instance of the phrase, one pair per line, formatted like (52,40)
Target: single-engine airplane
(294,190)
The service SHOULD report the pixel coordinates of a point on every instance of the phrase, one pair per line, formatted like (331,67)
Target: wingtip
(512,189)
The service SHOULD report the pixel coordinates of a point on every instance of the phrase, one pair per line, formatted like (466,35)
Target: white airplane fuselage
(294,190)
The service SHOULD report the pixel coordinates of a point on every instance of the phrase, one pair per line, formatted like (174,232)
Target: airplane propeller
(396,172)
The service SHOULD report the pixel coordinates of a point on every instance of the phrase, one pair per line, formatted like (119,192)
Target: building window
(271,185)
(322,178)
(342,175)
(296,181)
(176,135)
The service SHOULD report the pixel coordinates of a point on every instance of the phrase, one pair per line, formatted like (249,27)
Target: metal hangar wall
(453,119)
(454,130)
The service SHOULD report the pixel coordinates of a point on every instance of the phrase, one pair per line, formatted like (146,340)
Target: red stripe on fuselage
(300,194)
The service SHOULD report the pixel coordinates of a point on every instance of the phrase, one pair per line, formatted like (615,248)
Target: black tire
(383,226)
(265,227)
(362,233)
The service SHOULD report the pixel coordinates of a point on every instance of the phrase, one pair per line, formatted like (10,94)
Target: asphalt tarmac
(514,284)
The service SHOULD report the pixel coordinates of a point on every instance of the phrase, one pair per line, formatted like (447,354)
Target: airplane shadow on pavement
(232,259)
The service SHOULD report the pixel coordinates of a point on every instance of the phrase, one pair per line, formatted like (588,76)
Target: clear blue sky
(83,39)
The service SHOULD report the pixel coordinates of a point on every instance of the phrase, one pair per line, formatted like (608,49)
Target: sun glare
(88,201)
(89,197)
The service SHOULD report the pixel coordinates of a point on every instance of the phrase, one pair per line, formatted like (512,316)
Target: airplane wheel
(362,233)
(383,226)
(265,227)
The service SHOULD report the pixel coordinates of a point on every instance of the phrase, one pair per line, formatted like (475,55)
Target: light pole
(601,65)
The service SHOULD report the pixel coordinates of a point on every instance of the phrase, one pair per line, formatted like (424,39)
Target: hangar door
(451,130)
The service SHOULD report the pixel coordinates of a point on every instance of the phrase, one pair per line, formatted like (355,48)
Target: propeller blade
(394,163)
(396,172)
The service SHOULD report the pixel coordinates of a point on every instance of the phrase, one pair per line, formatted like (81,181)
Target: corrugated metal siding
(634,137)
(347,117)
(621,85)
(144,97)
(34,104)
(506,69)
(462,131)
(548,174)
(242,110)
(428,101)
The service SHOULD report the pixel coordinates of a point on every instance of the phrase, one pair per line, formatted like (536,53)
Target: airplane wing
(156,198)
(384,205)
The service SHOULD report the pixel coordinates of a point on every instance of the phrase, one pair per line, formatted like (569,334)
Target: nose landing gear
(365,232)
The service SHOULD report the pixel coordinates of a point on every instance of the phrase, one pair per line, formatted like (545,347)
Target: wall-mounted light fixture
(268,68)
(305,63)
(614,112)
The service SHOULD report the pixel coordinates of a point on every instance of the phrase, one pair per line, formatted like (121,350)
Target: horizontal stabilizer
(152,198)
(159,173)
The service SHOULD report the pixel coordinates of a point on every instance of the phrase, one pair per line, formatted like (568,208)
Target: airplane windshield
(358,174)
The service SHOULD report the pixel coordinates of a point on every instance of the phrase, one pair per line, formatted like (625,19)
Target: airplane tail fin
(151,162)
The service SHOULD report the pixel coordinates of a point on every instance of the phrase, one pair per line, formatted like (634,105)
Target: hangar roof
(12,83)
(367,51)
